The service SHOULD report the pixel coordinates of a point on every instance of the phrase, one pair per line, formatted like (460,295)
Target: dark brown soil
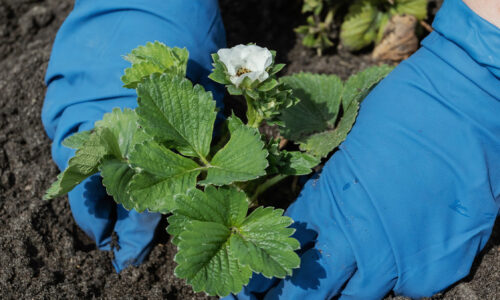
(43,254)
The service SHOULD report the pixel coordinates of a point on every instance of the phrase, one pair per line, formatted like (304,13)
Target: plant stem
(264,186)
(205,161)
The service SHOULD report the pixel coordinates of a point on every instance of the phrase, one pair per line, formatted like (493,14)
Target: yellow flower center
(242,71)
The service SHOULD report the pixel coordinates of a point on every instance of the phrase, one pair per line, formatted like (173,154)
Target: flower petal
(251,57)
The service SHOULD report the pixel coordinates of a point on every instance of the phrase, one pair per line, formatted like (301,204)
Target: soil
(43,254)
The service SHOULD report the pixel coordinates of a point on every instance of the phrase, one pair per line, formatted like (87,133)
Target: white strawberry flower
(244,61)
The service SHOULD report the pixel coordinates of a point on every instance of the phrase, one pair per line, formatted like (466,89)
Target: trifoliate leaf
(161,174)
(318,107)
(125,128)
(263,242)
(154,58)
(321,144)
(213,234)
(173,111)
(417,8)
(84,163)
(201,225)
(242,158)
(359,85)
(359,28)
(76,140)
(116,175)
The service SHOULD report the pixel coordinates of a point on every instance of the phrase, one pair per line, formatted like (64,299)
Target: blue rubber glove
(412,195)
(83,80)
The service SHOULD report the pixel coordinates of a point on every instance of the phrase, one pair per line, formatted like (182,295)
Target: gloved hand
(83,80)
(412,194)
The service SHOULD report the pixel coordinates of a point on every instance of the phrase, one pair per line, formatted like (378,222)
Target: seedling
(364,23)
(162,156)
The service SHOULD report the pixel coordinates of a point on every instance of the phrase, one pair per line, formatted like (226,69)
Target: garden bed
(43,254)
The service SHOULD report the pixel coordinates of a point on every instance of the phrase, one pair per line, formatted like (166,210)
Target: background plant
(363,24)
(163,157)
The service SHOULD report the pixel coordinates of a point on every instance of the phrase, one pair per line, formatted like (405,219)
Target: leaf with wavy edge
(318,107)
(321,144)
(324,138)
(154,58)
(76,140)
(360,84)
(173,111)
(161,174)
(116,175)
(242,158)
(417,8)
(360,25)
(84,164)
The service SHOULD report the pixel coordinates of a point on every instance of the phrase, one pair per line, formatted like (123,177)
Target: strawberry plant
(364,23)
(163,157)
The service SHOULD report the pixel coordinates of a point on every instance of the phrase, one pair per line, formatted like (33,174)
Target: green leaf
(302,29)
(219,73)
(125,129)
(268,85)
(84,164)
(116,175)
(206,261)
(320,141)
(276,68)
(263,242)
(224,206)
(113,137)
(359,27)
(320,97)
(242,158)
(173,111)
(417,8)
(309,41)
(252,94)
(214,237)
(359,85)
(232,90)
(384,21)
(76,140)
(321,144)
(154,58)
(134,75)
(298,163)
(161,174)
(201,228)
(288,163)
